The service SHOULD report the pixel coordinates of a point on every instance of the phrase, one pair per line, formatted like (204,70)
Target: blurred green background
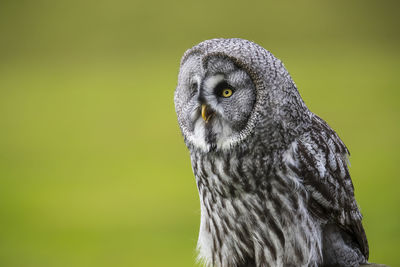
(93,170)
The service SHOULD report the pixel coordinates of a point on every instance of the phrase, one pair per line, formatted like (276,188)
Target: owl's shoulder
(320,159)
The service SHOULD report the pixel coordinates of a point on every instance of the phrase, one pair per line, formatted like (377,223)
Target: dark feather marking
(271,248)
(217,238)
(277,230)
(294,201)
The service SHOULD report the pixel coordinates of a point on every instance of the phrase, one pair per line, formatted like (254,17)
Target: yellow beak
(206,112)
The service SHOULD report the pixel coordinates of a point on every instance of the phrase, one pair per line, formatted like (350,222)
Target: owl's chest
(224,177)
(227,216)
(230,189)
(247,211)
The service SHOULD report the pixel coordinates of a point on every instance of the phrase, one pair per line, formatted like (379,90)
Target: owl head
(227,88)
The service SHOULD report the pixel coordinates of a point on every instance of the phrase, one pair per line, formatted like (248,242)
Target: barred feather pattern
(321,161)
(271,210)
(249,219)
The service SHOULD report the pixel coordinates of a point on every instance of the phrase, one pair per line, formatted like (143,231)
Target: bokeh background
(93,170)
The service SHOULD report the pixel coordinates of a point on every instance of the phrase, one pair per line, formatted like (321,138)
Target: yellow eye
(227,92)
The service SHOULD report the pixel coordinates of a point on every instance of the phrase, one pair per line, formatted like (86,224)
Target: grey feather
(272,176)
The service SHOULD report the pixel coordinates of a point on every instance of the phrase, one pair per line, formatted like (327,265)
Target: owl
(272,177)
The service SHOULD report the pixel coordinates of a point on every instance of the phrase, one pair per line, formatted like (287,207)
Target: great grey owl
(273,180)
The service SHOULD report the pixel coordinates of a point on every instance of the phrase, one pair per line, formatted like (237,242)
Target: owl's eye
(224,90)
(227,92)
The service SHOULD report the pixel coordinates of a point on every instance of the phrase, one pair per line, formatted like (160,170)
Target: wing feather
(321,162)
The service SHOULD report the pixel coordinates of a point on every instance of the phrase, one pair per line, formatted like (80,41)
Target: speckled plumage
(272,176)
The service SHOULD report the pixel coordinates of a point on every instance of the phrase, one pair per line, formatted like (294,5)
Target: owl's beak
(206,112)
